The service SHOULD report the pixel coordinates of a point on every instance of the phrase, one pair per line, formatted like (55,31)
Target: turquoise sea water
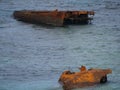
(32,57)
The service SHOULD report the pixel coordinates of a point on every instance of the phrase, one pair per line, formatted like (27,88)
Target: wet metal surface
(54,18)
(84,78)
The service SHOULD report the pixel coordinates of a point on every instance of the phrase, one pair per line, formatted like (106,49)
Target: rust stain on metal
(55,18)
(71,80)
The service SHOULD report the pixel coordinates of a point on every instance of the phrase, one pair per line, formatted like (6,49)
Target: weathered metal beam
(55,18)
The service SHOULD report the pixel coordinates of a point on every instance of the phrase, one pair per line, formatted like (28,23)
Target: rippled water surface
(32,57)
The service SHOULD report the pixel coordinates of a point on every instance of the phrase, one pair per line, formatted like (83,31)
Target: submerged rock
(71,80)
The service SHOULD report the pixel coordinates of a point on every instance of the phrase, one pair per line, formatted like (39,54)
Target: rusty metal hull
(71,80)
(55,18)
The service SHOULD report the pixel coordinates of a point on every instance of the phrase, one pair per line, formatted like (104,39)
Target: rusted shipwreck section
(71,80)
(55,18)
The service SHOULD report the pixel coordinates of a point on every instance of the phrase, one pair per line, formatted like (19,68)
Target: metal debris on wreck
(71,80)
(54,18)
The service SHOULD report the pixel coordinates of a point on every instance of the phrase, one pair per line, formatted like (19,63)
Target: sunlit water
(32,57)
